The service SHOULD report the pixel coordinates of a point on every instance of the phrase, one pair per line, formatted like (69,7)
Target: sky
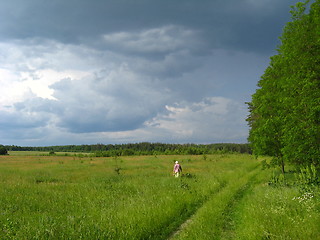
(124,71)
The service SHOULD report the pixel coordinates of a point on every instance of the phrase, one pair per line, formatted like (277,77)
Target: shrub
(3,150)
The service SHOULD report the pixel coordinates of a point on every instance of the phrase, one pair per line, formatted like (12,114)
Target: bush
(3,150)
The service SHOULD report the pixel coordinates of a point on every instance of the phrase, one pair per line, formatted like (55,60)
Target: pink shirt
(176,168)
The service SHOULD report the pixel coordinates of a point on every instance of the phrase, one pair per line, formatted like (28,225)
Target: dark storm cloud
(243,24)
(32,113)
(101,104)
(124,70)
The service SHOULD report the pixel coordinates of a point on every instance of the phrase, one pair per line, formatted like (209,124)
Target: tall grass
(219,197)
(64,197)
(279,212)
(215,216)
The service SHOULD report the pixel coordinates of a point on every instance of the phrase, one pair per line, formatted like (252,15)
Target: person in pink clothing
(177,169)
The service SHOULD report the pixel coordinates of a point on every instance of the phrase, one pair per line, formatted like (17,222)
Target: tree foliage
(143,148)
(3,150)
(284,115)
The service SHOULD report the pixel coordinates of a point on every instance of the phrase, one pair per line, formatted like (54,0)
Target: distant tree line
(143,148)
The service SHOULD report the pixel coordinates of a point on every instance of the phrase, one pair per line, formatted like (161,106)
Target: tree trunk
(282,166)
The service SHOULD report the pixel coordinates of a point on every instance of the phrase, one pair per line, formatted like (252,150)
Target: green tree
(284,114)
(301,46)
(265,119)
(3,150)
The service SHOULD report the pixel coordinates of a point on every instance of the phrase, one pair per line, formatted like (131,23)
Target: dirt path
(228,221)
(189,219)
(229,212)
(181,227)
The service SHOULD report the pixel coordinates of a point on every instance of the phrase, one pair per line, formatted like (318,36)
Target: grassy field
(219,197)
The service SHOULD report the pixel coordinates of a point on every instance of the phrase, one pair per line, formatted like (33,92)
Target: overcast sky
(126,71)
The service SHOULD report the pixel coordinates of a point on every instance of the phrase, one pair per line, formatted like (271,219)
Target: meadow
(221,196)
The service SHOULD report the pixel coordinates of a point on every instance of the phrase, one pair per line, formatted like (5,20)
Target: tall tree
(284,115)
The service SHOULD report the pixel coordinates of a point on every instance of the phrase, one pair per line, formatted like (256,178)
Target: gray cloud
(245,24)
(214,119)
(84,71)
(25,121)
(21,120)
(114,101)
(159,41)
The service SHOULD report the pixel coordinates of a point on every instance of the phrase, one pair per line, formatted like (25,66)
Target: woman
(177,169)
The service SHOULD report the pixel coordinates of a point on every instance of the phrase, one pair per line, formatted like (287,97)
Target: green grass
(279,212)
(219,197)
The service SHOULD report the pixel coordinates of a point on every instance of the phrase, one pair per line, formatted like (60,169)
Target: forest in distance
(143,148)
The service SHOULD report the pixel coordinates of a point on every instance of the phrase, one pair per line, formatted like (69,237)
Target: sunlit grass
(52,197)
(279,213)
(219,197)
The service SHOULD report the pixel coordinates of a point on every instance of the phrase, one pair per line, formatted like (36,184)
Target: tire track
(227,221)
(188,220)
